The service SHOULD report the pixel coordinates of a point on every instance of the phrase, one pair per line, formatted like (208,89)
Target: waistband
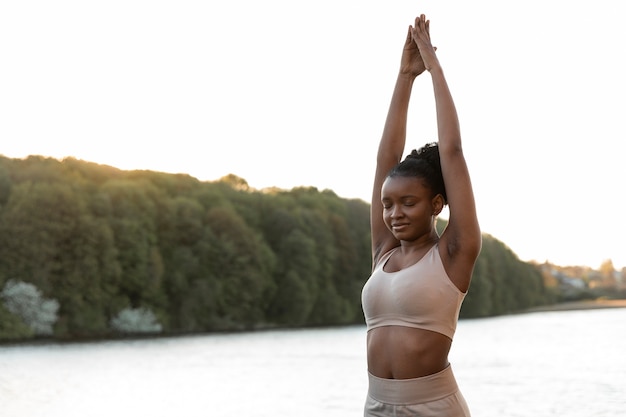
(413,391)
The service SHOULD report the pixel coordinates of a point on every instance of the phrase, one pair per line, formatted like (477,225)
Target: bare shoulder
(382,249)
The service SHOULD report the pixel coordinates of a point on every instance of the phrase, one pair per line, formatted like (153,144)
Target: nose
(396,211)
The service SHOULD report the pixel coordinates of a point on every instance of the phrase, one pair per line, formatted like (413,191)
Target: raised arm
(462,237)
(392,142)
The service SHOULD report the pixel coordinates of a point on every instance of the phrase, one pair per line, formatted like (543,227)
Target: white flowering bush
(136,320)
(26,301)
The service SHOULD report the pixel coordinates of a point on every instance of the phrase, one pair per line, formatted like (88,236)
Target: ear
(438,203)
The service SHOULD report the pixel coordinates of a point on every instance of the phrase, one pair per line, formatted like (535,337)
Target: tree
(49,238)
(136,320)
(296,280)
(141,250)
(607,271)
(133,220)
(242,265)
(26,301)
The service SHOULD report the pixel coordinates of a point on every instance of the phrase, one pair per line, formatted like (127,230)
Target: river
(566,364)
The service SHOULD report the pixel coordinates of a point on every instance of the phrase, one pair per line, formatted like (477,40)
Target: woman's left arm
(462,237)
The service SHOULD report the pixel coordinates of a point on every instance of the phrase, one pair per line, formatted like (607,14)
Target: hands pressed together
(418,54)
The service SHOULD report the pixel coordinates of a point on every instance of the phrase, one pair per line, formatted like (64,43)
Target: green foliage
(296,278)
(135,321)
(502,283)
(148,251)
(26,302)
(12,328)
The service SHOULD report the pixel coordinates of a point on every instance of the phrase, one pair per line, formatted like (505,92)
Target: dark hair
(423,163)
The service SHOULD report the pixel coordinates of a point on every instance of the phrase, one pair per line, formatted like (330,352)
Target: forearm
(394,133)
(449,132)
(463,230)
(390,152)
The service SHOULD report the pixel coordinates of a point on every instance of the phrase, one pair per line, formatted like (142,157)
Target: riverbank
(566,306)
(579,305)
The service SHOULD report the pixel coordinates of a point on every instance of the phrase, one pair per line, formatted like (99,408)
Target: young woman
(413,297)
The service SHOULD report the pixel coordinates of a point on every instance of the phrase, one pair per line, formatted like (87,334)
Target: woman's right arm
(392,142)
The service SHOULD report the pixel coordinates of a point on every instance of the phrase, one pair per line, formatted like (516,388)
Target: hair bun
(428,152)
(423,162)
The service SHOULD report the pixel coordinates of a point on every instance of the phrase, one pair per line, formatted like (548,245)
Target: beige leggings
(435,395)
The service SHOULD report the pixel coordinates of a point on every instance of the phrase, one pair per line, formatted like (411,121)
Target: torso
(398,351)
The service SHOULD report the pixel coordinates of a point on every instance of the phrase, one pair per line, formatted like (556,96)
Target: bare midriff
(396,352)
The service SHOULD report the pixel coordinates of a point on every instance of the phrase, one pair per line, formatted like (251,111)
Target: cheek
(420,211)
(387,218)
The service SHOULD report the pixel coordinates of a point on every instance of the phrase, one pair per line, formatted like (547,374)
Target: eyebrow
(404,197)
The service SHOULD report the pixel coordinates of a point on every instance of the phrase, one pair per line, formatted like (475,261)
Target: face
(409,208)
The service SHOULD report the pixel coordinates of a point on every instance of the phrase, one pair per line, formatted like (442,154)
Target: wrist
(435,69)
(405,81)
(407,76)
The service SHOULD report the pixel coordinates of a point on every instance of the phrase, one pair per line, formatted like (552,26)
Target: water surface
(565,364)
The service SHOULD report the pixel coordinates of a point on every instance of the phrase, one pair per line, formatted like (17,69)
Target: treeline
(91,251)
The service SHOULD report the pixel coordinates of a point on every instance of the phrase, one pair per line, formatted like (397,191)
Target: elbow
(451,146)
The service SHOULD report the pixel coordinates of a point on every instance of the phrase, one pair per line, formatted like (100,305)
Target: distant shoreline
(579,305)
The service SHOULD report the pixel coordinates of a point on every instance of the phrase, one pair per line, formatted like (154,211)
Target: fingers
(420,31)
(421,21)
(422,27)
(412,32)
(409,36)
(424,24)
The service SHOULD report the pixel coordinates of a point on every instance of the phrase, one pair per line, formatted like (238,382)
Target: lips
(398,227)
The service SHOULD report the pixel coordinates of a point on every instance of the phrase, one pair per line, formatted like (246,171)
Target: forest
(89,251)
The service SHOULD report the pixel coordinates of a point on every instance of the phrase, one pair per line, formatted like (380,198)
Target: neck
(423,242)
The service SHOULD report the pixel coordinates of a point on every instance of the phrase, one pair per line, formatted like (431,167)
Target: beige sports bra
(421,296)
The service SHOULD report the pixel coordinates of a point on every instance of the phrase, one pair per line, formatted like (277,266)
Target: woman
(412,300)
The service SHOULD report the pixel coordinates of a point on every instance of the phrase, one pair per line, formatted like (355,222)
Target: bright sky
(285,93)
